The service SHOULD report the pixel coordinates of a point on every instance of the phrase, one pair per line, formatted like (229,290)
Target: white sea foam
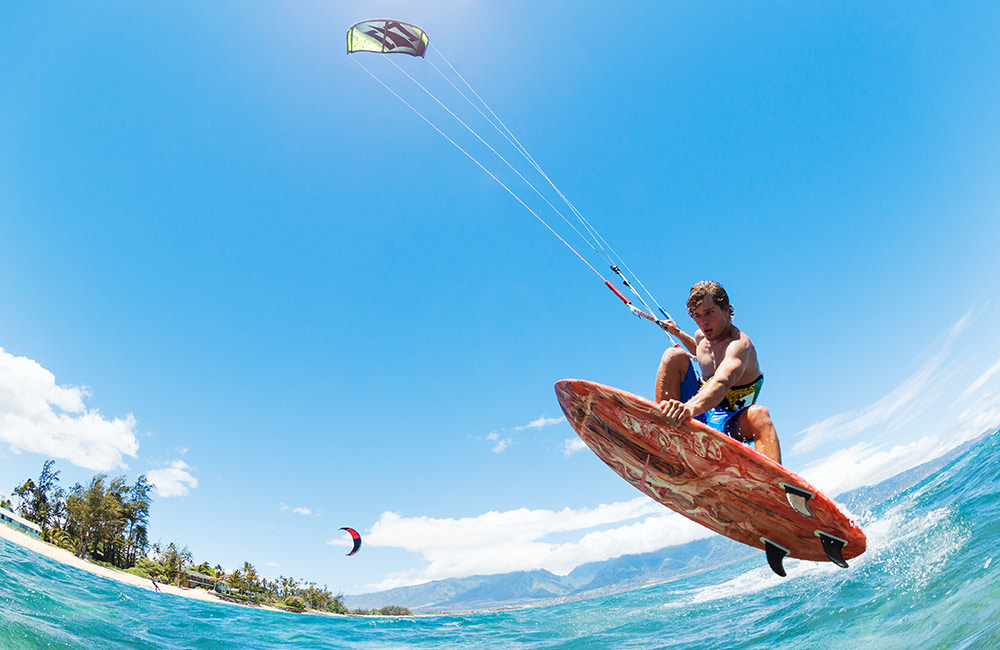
(910,547)
(915,548)
(755,581)
(752,582)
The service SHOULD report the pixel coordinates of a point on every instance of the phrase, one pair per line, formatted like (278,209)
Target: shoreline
(63,556)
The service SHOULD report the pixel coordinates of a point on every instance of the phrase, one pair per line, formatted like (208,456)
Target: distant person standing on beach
(155,586)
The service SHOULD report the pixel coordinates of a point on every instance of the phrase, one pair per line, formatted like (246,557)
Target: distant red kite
(357,540)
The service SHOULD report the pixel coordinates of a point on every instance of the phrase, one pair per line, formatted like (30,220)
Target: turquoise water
(928,580)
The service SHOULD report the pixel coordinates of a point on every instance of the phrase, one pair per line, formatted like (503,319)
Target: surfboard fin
(798,499)
(775,554)
(834,549)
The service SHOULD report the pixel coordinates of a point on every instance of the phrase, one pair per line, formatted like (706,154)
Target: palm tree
(205,568)
(251,578)
(219,574)
(236,579)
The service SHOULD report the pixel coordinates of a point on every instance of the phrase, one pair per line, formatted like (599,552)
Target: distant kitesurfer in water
(155,586)
(731,379)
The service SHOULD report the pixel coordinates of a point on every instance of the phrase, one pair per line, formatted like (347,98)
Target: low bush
(136,571)
(295,602)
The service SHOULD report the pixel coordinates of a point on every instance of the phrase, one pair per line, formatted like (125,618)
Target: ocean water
(928,580)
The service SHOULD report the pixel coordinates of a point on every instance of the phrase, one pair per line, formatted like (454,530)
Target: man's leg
(755,424)
(673,368)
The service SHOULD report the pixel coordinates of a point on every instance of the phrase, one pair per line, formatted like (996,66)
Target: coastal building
(20,523)
(194,579)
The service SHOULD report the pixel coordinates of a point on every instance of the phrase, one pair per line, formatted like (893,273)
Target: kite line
(395,37)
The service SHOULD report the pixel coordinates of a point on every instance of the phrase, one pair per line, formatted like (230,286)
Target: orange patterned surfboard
(709,477)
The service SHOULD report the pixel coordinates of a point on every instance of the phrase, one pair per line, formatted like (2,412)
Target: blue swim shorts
(718,418)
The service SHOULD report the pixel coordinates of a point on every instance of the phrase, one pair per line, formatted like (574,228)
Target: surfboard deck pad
(709,477)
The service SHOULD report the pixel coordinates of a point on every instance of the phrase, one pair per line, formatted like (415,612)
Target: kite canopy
(386,37)
(356,537)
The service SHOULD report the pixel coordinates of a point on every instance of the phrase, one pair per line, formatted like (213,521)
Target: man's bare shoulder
(742,348)
(739,343)
(742,337)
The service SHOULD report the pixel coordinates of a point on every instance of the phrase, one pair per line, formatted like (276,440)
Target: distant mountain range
(525,588)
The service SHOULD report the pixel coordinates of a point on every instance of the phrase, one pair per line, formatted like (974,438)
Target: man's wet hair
(711,289)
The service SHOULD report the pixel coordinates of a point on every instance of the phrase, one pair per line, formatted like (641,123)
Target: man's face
(711,319)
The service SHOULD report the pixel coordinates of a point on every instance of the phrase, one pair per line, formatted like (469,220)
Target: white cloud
(175,480)
(502,440)
(302,511)
(40,417)
(917,421)
(898,407)
(540,423)
(501,443)
(573,446)
(918,399)
(979,382)
(516,540)
(864,464)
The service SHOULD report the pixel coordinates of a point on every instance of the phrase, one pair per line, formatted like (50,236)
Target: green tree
(337,605)
(236,580)
(108,518)
(287,586)
(94,515)
(204,568)
(175,560)
(38,498)
(317,598)
(62,539)
(113,543)
(135,511)
(251,581)
(269,589)
(57,512)
(151,567)
(24,493)
(219,574)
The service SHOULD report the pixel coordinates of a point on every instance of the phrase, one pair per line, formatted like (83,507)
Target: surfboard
(710,478)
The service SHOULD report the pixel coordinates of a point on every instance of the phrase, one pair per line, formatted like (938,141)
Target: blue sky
(234,262)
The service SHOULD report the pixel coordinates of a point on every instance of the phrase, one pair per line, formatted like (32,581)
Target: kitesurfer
(725,397)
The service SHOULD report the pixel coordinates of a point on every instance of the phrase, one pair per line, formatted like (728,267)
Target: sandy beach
(64,556)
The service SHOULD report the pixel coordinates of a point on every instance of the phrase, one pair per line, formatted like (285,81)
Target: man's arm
(714,390)
(670,327)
